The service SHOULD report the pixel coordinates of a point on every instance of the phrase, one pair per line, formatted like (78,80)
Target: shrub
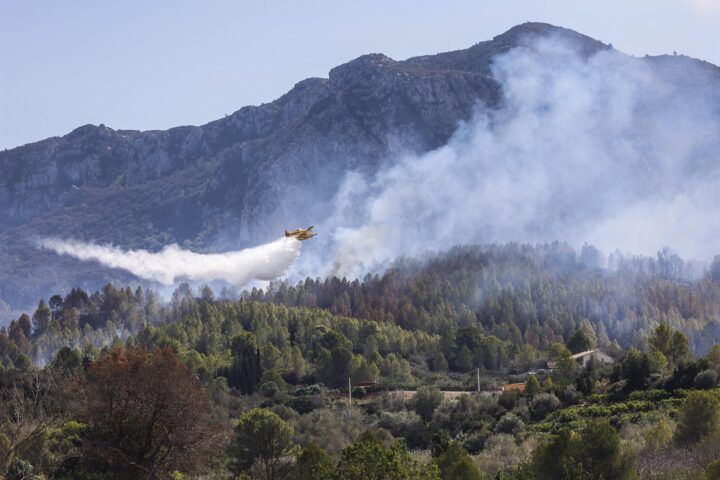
(407,425)
(510,423)
(369,459)
(313,464)
(706,379)
(712,472)
(659,436)
(269,389)
(426,400)
(698,417)
(593,453)
(19,470)
(473,442)
(544,404)
(455,463)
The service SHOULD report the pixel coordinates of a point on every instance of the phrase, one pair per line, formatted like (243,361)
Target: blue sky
(158,64)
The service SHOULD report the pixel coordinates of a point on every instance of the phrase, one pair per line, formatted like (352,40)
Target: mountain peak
(236,181)
(363,66)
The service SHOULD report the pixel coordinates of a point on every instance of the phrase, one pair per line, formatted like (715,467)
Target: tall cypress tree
(245,371)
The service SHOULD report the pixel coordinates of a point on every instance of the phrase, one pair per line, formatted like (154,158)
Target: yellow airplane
(301,234)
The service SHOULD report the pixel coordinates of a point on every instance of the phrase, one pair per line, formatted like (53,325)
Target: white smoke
(607,150)
(264,262)
(599,149)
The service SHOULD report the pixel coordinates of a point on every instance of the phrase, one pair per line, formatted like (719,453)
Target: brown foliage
(147,416)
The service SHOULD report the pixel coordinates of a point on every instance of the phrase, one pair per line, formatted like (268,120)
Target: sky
(155,65)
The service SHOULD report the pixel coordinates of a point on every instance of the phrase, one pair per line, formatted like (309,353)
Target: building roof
(584,354)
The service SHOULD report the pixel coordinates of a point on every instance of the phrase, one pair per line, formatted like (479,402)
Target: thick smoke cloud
(605,149)
(612,150)
(264,262)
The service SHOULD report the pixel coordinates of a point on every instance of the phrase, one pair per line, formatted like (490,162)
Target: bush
(369,459)
(426,400)
(593,453)
(706,379)
(407,425)
(456,464)
(510,423)
(332,429)
(314,389)
(543,404)
(698,417)
(532,386)
(313,464)
(659,436)
(712,472)
(473,442)
(269,389)
(19,470)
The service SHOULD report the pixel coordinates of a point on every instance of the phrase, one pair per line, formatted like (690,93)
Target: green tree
(661,338)
(510,423)
(698,417)
(334,367)
(426,401)
(565,367)
(635,368)
(369,459)
(532,386)
(672,343)
(312,464)
(25,324)
(41,318)
(543,404)
(706,379)
(67,360)
(593,453)
(245,371)
(579,342)
(455,464)
(264,441)
(679,347)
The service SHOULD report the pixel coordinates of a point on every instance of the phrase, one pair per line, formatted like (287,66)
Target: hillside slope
(241,179)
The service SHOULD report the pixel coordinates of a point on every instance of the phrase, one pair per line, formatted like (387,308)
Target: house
(583,358)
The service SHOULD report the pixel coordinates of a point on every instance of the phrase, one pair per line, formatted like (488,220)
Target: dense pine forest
(458,366)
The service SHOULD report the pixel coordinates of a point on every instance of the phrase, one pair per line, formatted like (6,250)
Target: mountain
(227,183)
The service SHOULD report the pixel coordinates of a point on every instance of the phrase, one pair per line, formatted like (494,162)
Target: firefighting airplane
(301,234)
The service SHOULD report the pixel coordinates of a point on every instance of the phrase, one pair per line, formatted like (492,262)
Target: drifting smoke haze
(597,149)
(604,149)
(238,268)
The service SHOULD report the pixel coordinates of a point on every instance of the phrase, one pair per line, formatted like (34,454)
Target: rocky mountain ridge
(225,184)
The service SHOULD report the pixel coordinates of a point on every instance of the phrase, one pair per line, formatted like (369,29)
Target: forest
(457,366)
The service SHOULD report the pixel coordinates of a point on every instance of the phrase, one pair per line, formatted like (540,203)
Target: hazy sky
(150,65)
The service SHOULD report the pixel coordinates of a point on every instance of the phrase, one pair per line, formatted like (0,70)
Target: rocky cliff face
(226,183)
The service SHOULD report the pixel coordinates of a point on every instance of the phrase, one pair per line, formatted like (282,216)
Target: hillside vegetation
(119,384)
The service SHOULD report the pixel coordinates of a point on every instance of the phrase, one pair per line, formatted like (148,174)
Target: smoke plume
(608,149)
(264,262)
